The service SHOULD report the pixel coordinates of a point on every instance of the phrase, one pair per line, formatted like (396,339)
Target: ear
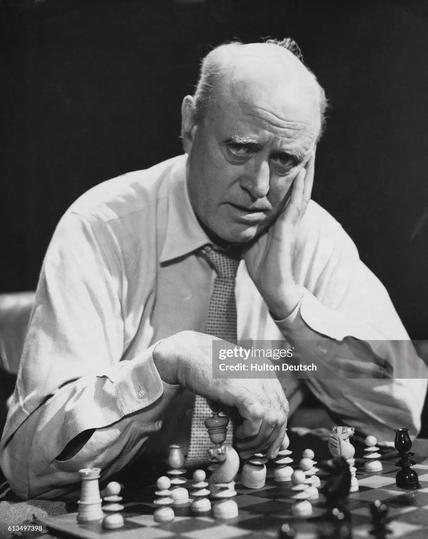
(188,126)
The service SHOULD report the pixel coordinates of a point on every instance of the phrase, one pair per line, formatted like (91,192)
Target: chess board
(263,511)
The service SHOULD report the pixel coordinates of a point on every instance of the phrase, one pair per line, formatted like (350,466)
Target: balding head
(239,68)
(250,129)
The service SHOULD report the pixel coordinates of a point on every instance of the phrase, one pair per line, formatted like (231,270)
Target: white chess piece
(372,456)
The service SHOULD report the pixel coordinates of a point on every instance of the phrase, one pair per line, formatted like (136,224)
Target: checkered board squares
(261,513)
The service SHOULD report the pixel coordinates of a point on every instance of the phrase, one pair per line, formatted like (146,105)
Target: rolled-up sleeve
(76,374)
(369,373)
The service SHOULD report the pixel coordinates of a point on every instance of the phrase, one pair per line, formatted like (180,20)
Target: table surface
(261,512)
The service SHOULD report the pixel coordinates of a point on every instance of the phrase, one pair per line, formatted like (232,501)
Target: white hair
(213,69)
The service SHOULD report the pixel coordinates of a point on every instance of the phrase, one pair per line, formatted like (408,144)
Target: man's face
(245,154)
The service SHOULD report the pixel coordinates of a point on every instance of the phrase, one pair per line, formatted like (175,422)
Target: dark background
(92,89)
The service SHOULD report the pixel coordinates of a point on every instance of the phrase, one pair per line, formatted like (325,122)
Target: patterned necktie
(221,322)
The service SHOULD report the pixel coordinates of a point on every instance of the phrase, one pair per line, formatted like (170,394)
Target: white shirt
(121,273)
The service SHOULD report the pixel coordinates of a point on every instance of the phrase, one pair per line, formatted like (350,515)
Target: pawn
(113,521)
(309,454)
(226,509)
(164,514)
(224,506)
(286,532)
(112,489)
(302,509)
(283,471)
(312,480)
(300,487)
(200,493)
(312,493)
(253,474)
(371,455)
(112,500)
(180,496)
(308,466)
(163,492)
(298,479)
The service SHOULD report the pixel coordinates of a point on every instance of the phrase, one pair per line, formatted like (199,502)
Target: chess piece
(308,465)
(89,505)
(253,473)
(226,509)
(406,477)
(112,499)
(379,512)
(164,514)
(301,507)
(224,464)
(339,445)
(113,521)
(337,487)
(180,496)
(283,471)
(286,532)
(113,506)
(200,503)
(224,467)
(163,492)
(224,459)
(112,489)
(371,456)
(176,462)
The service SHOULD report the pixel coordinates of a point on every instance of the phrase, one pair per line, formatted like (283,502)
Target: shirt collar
(184,234)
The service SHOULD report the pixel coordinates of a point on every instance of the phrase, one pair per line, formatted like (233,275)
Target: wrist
(165,362)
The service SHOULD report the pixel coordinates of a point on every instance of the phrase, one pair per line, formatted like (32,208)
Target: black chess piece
(286,532)
(337,488)
(379,512)
(406,477)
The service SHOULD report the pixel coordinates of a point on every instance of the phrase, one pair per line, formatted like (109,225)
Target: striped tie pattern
(222,323)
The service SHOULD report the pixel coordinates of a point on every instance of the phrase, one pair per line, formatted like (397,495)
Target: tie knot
(224,263)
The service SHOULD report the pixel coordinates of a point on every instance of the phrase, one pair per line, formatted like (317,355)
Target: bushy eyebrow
(244,140)
(254,143)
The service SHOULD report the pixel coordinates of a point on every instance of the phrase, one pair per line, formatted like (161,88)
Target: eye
(239,150)
(284,163)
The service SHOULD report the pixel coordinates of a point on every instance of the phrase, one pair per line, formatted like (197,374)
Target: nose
(256,179)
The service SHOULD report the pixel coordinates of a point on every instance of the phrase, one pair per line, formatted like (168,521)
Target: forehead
(246,104)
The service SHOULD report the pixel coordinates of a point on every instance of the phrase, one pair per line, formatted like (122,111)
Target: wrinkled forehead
(274,83)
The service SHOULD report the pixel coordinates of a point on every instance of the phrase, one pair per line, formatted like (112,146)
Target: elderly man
(121,335)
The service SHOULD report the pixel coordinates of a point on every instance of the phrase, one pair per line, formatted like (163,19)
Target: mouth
(250,213)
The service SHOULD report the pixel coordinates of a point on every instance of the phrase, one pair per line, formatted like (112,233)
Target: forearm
(67,433)
(372,383)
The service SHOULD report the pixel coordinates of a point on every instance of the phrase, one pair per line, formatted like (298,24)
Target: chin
(243,235)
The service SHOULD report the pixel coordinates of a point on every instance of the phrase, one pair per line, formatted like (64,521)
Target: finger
(261,441)
(269,445)
(271,433)
(296,199)
(309,180)
(277,444)
(252,414)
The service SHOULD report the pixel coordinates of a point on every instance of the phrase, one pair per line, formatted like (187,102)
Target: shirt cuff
(138,383)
